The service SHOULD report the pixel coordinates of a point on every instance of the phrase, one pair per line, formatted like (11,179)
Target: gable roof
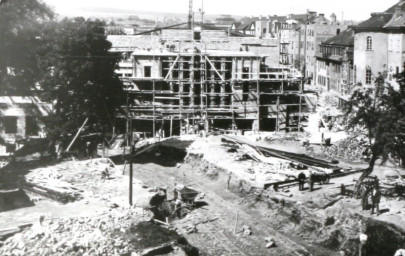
(345,38)
(391,18)
(377,20)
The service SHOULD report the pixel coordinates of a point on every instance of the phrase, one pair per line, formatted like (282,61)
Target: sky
(351,9)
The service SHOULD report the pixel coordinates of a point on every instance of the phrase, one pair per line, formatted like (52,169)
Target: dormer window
(369,43)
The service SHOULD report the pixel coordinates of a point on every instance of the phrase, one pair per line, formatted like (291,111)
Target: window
(147,71)
(245,91)
(338,31)
(10,124)
(31,126)
(369,43)
(245,73)
(368,76)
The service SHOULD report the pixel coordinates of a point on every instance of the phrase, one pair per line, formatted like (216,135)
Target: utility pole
(190,13)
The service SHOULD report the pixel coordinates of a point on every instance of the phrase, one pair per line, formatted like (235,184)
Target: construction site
(218,150)
(223,90)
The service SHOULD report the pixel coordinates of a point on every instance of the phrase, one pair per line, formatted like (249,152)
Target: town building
(300,36)
(379,45)
(334,65)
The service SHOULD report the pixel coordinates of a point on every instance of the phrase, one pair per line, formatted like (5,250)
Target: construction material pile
(102,235)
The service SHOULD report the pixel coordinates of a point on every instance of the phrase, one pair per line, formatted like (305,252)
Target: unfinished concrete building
(172,92)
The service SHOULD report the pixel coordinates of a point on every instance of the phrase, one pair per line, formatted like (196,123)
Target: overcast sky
(352,9)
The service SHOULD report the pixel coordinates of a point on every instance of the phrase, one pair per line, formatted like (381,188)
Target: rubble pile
(351,148)
(79,236)
(66,182)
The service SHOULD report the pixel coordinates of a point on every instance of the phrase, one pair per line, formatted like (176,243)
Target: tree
(380,112)
(20,25)
(79,76)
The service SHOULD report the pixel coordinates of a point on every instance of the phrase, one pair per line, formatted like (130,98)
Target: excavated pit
(338,230)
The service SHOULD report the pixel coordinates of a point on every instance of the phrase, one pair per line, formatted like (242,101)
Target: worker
(105,174)
(364,195)
(311,181)
(88,149)
(342,189)
(301,180)
(375,199)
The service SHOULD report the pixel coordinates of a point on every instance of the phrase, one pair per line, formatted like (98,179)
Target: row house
(308,39)
(379,45)
(300,36)
(287,35)
(260,27)
(334,65)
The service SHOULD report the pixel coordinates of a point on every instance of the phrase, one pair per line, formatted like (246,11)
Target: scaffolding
(179,90)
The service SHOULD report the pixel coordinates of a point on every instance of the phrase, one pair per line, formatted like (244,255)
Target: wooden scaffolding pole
(131,170)
(258,94)
(154,109)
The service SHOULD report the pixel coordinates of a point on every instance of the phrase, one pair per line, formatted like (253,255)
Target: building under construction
(176,91)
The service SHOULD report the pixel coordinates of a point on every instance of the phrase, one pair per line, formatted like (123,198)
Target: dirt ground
(299,222)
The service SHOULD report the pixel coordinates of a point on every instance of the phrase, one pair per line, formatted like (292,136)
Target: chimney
(322,15)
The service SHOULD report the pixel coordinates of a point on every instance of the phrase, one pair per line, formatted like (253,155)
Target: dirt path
(217,237)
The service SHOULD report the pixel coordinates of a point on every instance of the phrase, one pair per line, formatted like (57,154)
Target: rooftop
(344,38)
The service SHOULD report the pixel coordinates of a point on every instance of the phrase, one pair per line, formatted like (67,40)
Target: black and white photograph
(202,128)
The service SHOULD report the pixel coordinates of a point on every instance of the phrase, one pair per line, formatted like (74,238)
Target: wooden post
(236,223)
(154,110)
(258,94)
(278,109)
(131,170)
(171,126)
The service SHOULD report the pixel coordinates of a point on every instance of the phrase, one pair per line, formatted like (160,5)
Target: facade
(309,39)
(334,65)
(287,35)
(379,45)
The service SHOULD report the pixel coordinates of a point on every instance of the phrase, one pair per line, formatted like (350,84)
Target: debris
(246,230)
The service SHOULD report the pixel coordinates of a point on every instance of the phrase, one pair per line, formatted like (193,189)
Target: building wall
(375,59)
(315,35)
(395,54)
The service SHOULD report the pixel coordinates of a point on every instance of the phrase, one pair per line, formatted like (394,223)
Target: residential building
(287,34)
(308,38)
(379,45)
(334,65)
